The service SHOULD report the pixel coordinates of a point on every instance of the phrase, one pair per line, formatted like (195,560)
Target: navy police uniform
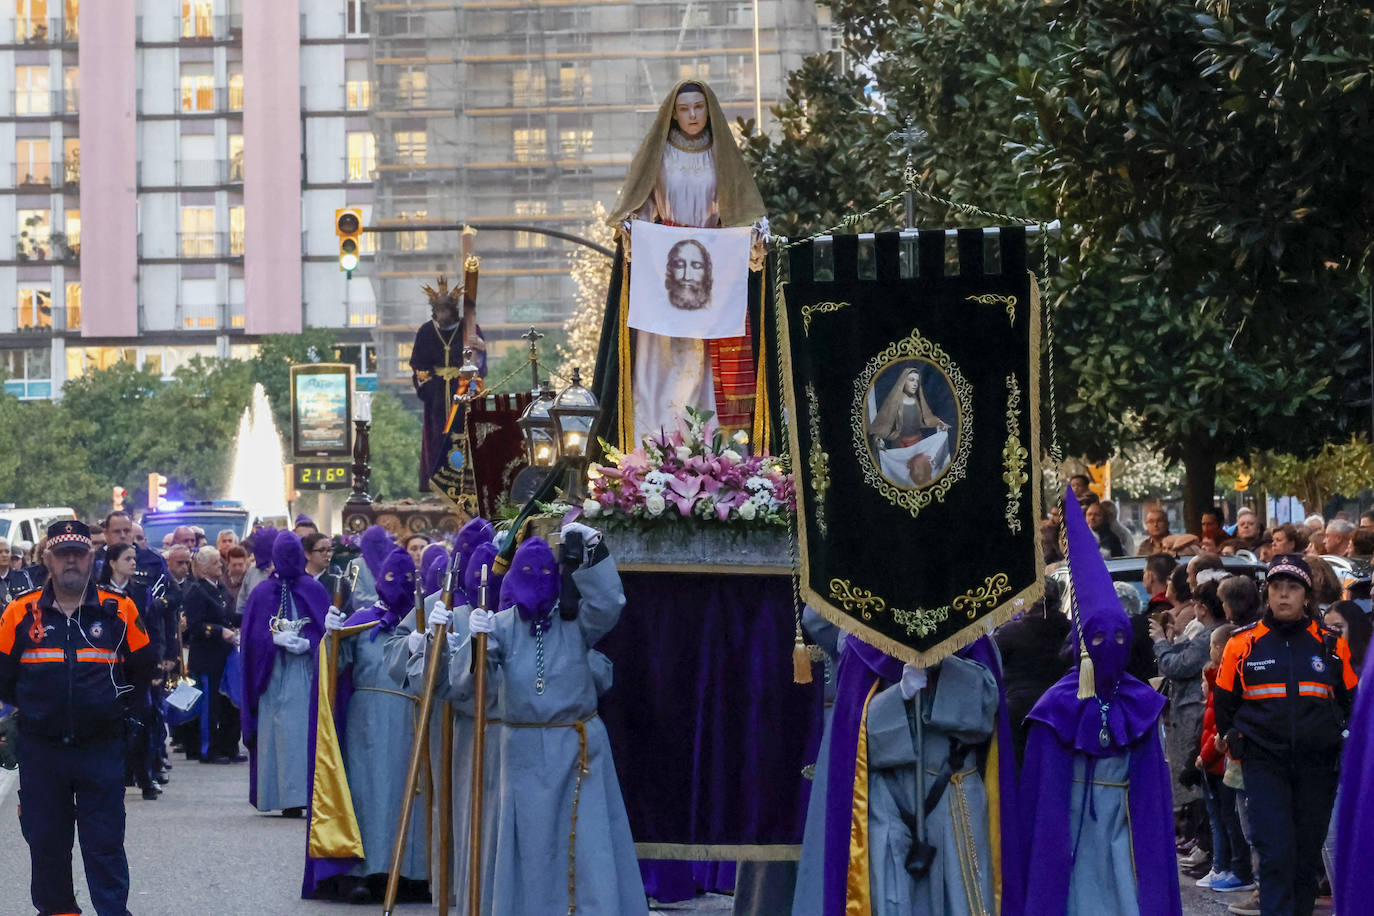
(70,677)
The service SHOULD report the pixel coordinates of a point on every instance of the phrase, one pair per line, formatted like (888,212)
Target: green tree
(395,448)
(510,372)
(47,463)
(1210,168)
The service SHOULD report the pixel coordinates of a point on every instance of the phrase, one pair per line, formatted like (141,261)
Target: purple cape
(1063,726)
(259,653)
(861,667)
(1355,845)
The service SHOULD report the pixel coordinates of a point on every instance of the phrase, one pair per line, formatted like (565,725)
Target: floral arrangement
(691,473)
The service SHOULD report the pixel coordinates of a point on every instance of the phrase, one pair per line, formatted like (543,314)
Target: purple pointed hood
(433,565)
(375,544)
(1102,625)
(531,584)
(396,584)
(263,540)
(471,536)
(483,556)
(288,557)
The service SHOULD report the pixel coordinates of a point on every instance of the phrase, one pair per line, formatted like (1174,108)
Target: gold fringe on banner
(334,832)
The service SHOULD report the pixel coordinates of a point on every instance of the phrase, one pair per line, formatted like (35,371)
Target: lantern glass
(541,442)
(574,414)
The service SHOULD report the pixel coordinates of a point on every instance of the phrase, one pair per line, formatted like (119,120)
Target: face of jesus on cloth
(688,277)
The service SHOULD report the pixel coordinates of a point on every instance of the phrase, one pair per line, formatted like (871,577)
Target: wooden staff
(445,808)
(479,746)
(419,752)
(335,638)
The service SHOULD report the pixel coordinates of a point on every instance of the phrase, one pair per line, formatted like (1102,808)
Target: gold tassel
(1087,677)
(801,661)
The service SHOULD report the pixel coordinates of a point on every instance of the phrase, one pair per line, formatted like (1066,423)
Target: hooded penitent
(376,543)
(1120,718)
(738,196)
(475,533)
(395,594)
(263,541)
(433,563)
(483,557)
(531,585)
(269,598)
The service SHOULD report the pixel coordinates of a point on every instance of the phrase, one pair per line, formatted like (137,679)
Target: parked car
(30,524)
(1131,569)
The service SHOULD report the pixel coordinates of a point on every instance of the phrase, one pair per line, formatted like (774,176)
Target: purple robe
(259,652)
(431,355)
(1355,807)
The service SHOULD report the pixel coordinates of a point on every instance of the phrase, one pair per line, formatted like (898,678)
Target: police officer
(70,654)
(1282,701)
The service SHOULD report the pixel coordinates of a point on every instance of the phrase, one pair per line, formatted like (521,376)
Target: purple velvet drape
(708,730)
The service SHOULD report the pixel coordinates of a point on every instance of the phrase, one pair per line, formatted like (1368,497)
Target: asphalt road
(202,849)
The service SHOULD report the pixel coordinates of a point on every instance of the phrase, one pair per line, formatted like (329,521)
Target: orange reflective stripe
(35,656)
(1313,689)
(96,655)
(1266,692)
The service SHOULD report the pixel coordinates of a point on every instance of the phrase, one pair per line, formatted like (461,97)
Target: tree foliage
(1338,469)
(1210,167)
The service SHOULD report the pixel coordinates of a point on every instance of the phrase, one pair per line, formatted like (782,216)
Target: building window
(236,88)
(362,156)
(71,223)
(574,81)
(71,14)
(34,236)
(71,90)
(197,232)
(528,208)
(73,306)
(527,86)
(410,146)
(31,91)
(199,306)
(35,309)
(197,18)
(28,372)
(412,241)
(698,71)
(530,143)
(31,20)
(355,17)
(236,157)
(357,85)
(31,162)
(71,160)
(575,140)
(412,87)
(197,87)
(236,231)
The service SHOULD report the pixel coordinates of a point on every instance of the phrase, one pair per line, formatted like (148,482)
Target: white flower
(731,456)
(747,511)
(657,479)
(757,484)
(655,505)
(591,508)
(683,453)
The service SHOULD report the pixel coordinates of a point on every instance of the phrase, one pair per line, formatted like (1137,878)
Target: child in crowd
(1231,869)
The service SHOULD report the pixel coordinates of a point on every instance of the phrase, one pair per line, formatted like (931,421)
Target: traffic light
(348,225)
(118,494)
(157,489)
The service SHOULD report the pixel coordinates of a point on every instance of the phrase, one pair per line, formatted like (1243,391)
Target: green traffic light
(348,255)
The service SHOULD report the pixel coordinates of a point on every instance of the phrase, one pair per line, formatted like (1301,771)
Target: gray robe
(411,672)
(284,729)
(381,731)
(1103,882)
(251,580)
(811,868)
(960,703)
(539,765)
(364,586)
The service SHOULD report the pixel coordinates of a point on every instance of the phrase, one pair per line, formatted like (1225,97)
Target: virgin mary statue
(687,172)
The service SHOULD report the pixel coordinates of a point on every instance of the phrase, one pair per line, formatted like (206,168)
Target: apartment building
(174,167)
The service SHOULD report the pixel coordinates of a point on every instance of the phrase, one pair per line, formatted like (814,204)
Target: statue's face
(912,383)
(690,112)
(444,313)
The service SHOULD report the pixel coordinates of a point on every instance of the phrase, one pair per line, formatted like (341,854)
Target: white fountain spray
(257,479)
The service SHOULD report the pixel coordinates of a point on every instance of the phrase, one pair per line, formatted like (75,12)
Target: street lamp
(574,413)
(362,449)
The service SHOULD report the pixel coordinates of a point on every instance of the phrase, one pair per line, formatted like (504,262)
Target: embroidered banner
(689,282)
(914,398)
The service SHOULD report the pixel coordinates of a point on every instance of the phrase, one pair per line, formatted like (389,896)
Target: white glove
(913,679)
(439,616)
(454,641)
(590,536)
(480,621)
(415,642)
(282,639)
(297,645)
(334,620)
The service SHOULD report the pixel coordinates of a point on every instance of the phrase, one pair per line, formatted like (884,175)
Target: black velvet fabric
(960,540)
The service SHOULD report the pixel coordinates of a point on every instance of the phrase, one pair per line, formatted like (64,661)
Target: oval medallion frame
(913,346)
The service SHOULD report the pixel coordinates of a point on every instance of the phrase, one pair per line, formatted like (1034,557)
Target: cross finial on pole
(907,138)
(534,335)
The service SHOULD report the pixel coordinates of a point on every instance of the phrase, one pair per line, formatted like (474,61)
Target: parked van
(30,524)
